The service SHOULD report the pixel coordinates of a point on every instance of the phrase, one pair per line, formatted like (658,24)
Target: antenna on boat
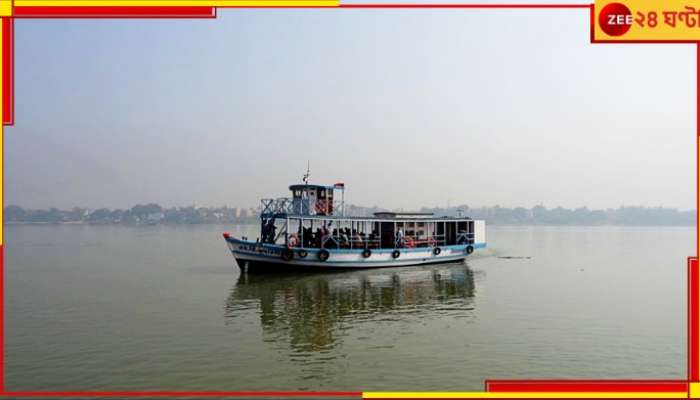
(307,174)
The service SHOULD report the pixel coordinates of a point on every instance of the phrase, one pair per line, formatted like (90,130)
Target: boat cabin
(314,218)
(313,199)
(308,200)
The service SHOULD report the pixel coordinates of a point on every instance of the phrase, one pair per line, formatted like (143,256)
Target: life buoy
(302,253)
(436,251)
(396,254)
(366,253)
(408,242)
(293,241)
(287,254)
(323,255)
(469,249)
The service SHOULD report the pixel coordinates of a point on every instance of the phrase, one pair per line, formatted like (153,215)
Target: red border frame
(114,12)
(8,74)
(620,386)
(572,385)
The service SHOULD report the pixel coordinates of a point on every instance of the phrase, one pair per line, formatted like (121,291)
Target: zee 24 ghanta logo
(615,19)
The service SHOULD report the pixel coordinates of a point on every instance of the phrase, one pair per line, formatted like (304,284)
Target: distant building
(155,217)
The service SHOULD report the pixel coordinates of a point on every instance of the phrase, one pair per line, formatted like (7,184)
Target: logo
(615,19)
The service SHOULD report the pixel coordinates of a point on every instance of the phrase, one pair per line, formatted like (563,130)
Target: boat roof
(309,186)
(403,215)
(373,219)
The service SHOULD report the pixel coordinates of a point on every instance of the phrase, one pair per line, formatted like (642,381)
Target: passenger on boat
(344,241)
(318,237)
(373,239)
(264,231)
(357,238)
(268,231)
(399,238)
(272,228)
(327,237)
(308,237)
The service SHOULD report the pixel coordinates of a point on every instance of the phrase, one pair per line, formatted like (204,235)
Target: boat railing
(413,241)
(280,205)
(338,240)
(464,237)
(287,205)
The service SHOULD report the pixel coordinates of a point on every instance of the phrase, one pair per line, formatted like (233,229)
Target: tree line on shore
(540,215)
(151,214)
(148,214)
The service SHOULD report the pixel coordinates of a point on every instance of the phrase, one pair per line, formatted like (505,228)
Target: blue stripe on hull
(270,255)
(357,251)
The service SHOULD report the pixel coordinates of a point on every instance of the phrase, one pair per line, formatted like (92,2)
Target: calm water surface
(122,308)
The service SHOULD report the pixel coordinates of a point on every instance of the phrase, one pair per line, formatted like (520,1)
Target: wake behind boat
(310,230)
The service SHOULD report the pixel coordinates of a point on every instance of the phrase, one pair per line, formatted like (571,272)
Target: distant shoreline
(154,214)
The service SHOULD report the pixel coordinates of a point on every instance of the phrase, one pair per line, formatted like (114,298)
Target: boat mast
(305,192)
(307,174)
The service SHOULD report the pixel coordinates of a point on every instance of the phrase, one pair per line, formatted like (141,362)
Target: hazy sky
(409,108)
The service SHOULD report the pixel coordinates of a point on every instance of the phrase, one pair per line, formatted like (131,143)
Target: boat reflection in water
(314,312)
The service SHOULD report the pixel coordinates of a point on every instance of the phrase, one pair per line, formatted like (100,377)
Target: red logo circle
(615,19)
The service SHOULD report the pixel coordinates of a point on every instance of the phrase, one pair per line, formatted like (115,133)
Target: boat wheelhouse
(310,230)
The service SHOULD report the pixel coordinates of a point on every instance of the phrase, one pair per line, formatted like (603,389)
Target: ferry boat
(309,230)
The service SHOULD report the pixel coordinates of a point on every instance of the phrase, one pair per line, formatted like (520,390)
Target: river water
(165,308)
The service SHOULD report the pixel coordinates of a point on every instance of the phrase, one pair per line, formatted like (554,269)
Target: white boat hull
(255,255)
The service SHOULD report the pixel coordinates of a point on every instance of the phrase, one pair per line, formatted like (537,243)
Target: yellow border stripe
(6,8)
(694,390)
(524,395)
